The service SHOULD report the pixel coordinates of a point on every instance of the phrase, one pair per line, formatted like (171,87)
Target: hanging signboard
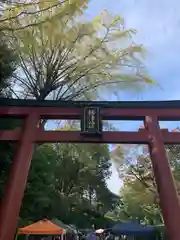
(91,122)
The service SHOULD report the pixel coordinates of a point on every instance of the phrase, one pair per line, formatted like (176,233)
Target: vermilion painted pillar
(11,202)
(169,200)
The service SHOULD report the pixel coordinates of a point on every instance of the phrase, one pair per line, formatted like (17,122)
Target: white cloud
(156,21)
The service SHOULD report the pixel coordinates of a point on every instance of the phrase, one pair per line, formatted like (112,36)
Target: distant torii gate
(91,115)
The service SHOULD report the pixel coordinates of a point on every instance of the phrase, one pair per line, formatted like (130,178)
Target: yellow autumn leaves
(62,50)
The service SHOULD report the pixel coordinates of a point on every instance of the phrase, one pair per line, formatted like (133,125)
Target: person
(109,236)
(91,236)
(83,237)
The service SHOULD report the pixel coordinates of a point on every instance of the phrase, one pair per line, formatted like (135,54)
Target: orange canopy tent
(43,227)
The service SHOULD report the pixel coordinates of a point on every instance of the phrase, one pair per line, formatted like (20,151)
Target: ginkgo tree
(65,57)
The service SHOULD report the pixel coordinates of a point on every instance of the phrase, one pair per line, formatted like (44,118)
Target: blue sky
(158,26)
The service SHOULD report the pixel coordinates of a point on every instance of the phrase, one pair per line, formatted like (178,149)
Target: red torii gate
(91,115)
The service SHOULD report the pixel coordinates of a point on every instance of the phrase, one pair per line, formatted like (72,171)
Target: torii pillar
(169,200)
(11,202)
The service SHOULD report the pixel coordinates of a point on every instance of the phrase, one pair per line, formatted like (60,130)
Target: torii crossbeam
(91,115)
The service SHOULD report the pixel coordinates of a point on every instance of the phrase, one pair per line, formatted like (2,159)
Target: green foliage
(8,64)
(68,181)
(138,203)
(139,197)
